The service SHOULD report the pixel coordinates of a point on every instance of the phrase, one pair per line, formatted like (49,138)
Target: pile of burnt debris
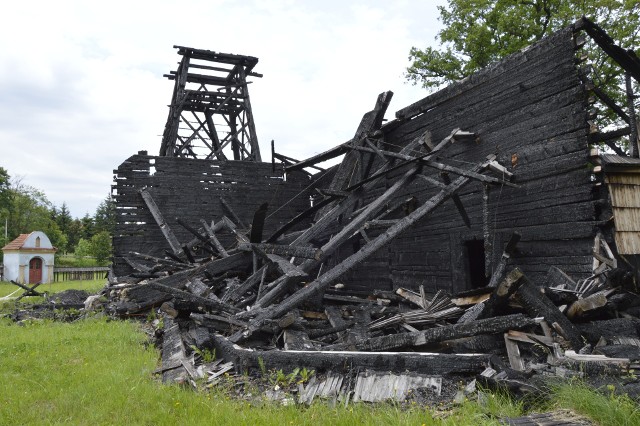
(510,334)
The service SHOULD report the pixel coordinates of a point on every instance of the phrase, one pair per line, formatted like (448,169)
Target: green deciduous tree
(105,216)
(101,247)
(479,32)
(83,249)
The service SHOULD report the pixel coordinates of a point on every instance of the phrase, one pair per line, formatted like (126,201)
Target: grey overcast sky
(81,86)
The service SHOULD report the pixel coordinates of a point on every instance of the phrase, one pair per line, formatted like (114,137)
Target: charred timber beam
(607,137)
(625,58)
(170,134)
(448,332)
(509,249)
(287,268)
(257,224)
(28,291)
(610,103)
(536,303)
(193,231)
(214,136)
(235,262)
(370,122)
(486,231)
(253,135)
(426,363)
(173,353)
(224,58)
(288,251)
(164,226)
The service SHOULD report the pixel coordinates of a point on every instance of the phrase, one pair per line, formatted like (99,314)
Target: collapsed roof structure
(488,174)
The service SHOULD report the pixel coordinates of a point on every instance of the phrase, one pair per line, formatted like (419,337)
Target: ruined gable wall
(191,189)
(530,109)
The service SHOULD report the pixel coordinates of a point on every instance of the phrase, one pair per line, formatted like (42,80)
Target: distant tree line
(24,209)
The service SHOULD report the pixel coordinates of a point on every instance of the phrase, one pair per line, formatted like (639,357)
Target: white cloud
(81,86)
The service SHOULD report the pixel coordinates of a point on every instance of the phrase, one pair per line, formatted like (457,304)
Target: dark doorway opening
(475,263)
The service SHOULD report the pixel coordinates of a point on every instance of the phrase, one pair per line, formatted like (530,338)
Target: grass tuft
(605,408)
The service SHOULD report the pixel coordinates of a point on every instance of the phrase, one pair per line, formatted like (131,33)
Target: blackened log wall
(531,111)
(191,189)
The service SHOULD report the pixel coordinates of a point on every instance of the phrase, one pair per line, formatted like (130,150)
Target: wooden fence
(76,274)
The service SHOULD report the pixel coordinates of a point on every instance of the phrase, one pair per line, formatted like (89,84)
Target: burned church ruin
(484,190)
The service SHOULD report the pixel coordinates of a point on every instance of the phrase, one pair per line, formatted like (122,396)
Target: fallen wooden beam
(426,363)
(162,223)
(447,332)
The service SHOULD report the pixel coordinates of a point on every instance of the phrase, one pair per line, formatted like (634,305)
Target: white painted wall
(11,266)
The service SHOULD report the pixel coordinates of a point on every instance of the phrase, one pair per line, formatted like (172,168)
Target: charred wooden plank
(506,255)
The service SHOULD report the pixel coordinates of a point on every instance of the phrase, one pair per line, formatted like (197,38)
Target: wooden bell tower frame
(210,114)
